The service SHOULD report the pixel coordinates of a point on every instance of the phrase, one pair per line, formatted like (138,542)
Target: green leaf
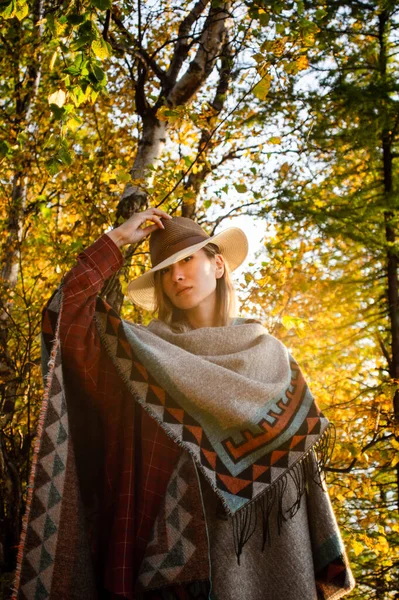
(102,4)
(99,74)
(22,138)
(49,141)
(65,155)
(264,19)
(87,33)
(53,165)
(57,111)
(171,113)
(262,88)
(241,188)
(76,18)
(101,48)
(122,177)
(7,10)
(77,245)
(4,149)
(72,70)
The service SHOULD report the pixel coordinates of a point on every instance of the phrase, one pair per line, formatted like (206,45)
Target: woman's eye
(165,270)
(187,258)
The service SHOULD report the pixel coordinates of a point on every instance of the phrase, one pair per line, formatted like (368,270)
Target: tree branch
(210,45)
(182,45)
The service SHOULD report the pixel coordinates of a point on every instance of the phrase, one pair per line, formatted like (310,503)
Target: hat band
(173,248)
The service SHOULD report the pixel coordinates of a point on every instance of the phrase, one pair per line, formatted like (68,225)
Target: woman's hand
(131,231)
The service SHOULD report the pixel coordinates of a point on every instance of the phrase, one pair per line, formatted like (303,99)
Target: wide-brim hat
(181,238)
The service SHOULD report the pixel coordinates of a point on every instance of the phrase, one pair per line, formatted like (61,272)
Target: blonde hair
(225,298)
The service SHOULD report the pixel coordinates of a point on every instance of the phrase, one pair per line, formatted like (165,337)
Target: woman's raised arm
(82,284)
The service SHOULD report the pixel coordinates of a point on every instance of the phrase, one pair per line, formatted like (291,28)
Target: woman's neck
(203,315)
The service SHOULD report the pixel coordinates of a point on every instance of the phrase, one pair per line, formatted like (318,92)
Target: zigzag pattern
(176,552)
(257,473)
(48,482)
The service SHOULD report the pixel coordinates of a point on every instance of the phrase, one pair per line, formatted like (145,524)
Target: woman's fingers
(161,213)
(147,230)
(157,220)
(152,212)
(134,230)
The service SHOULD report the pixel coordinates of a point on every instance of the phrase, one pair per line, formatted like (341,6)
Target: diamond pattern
(49,476)
(173,554)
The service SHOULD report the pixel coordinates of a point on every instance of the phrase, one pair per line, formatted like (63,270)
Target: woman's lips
(186,289)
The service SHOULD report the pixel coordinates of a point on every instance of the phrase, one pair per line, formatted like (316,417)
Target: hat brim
(233,246)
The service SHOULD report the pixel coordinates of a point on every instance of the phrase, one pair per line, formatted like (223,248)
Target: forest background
(287,111)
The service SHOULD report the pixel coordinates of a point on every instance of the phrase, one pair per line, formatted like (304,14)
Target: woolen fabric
(253,474)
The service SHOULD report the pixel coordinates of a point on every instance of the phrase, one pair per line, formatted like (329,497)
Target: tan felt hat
(181,238)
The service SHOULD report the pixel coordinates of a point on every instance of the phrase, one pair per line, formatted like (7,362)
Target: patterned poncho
(173,465)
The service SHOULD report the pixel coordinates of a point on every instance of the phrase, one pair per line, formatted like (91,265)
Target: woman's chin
(185,304)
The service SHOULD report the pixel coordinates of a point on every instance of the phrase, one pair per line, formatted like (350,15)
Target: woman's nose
(177,273)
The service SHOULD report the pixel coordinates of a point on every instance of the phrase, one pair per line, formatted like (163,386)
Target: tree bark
(174,92)
(389,217)
(196,180)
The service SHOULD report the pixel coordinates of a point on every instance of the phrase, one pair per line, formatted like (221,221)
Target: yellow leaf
(21,10)
(73,123)
(395,443)
(101,48)
(302,63)
(57,98)
(279,46)
(357,547)
(274,140)
(52,60)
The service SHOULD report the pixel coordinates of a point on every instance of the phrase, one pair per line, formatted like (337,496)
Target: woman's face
(192,280)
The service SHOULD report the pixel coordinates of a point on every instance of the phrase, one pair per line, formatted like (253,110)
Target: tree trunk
(174,92)
(10,484)
(196,180)
(389,216)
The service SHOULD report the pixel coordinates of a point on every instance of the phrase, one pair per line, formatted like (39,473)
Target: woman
(175,460)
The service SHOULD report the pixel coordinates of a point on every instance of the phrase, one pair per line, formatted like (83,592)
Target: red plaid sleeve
(81,285)
(138,456)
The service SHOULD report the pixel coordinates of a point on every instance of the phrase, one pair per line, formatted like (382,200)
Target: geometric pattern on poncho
(333,578)
(258,473)
(39,538)
(178,550)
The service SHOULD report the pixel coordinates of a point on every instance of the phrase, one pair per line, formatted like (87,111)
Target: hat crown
(179,233)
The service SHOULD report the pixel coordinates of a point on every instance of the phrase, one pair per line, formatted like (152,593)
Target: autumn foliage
(286,111)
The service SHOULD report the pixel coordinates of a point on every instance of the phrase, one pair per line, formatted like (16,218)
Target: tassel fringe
(309,467)
(244,525)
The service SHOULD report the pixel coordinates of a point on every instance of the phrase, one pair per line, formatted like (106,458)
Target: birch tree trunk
(176,90)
